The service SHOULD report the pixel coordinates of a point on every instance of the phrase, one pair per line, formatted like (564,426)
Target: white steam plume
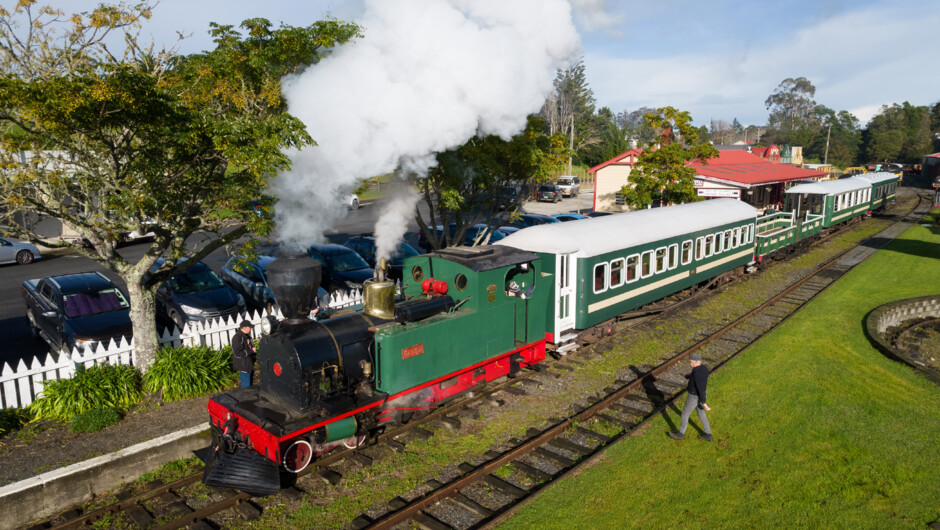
(427,76)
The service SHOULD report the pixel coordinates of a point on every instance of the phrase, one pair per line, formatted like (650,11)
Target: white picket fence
(23,384)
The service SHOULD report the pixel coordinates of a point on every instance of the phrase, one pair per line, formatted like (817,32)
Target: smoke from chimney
(427,76)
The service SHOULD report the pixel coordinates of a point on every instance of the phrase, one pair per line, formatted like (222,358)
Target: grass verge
(814,428)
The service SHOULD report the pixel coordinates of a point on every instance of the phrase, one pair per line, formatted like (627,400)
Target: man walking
(696,400)
(243,353)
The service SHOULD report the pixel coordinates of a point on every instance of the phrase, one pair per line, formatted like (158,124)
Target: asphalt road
(19,345)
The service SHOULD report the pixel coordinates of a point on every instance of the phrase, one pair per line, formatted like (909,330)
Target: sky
(718,59)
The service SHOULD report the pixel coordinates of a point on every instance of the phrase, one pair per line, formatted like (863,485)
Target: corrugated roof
(600,235)
(745,168)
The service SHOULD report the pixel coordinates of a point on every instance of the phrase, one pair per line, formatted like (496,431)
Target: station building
(734,173)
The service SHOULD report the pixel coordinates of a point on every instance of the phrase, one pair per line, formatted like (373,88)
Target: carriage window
(673,256)
(709,245)
(632,264)
(661,260)
(719,242)
(686,252)
(729,244)
(736,238)
(646,264)
(600,277)
(616,273)
(835,203)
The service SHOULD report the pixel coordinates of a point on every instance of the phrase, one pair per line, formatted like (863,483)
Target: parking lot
(566,205)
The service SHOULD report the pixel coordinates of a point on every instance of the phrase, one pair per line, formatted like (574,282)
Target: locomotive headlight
(267,324)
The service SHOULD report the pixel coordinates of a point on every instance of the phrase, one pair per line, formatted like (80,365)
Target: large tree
(485,179)
(144,139)
(791,103)
(569,109)
(662,173)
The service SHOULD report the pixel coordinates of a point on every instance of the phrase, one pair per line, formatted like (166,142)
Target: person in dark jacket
(698,379)
(243,353)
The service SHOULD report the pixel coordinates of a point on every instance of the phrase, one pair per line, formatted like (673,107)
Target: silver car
(15,252)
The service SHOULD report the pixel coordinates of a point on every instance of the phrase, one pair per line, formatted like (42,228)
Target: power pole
(826,157)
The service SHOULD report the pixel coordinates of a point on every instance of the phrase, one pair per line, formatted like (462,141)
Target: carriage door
(565,295)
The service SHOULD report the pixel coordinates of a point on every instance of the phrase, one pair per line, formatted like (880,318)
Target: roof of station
(740,167)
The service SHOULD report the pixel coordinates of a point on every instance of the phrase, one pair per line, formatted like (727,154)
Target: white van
(570,186)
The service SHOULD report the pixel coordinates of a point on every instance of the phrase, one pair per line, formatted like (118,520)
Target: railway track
(509,477)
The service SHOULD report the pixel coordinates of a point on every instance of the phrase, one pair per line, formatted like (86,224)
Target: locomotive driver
(243,353)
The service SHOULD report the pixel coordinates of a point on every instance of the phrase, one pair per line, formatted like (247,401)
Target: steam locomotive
(331,383)
(471,315)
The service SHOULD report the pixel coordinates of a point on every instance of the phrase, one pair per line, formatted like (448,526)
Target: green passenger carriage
(605,266)
(837,201)
(884,188)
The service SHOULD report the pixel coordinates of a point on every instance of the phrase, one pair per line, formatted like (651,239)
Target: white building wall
(609,180)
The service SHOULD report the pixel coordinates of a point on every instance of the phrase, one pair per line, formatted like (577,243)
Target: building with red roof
(748,177)
(733,173)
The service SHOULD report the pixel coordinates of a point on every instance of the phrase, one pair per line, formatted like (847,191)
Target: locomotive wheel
(298,456)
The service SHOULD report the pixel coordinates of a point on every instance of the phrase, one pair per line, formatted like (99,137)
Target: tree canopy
(485,178)
(662,173)
(145,139)
(791,103)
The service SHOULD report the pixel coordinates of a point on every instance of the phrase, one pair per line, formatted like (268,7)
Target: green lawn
(813,428)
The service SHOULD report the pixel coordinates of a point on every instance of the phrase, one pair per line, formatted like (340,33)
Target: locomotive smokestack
(294,280)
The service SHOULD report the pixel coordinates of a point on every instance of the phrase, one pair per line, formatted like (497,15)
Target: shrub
(189,371)
(98,387)
(13,419)
(95,419)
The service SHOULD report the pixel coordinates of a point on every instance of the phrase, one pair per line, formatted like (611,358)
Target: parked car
(196,295)
(509,230)
(472,236)
(549,192)
(565,217)
(570,186)
(16,252)
(76,310)
(525,220)
(342,269)
(592,213)
(364,245)
(250,280)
